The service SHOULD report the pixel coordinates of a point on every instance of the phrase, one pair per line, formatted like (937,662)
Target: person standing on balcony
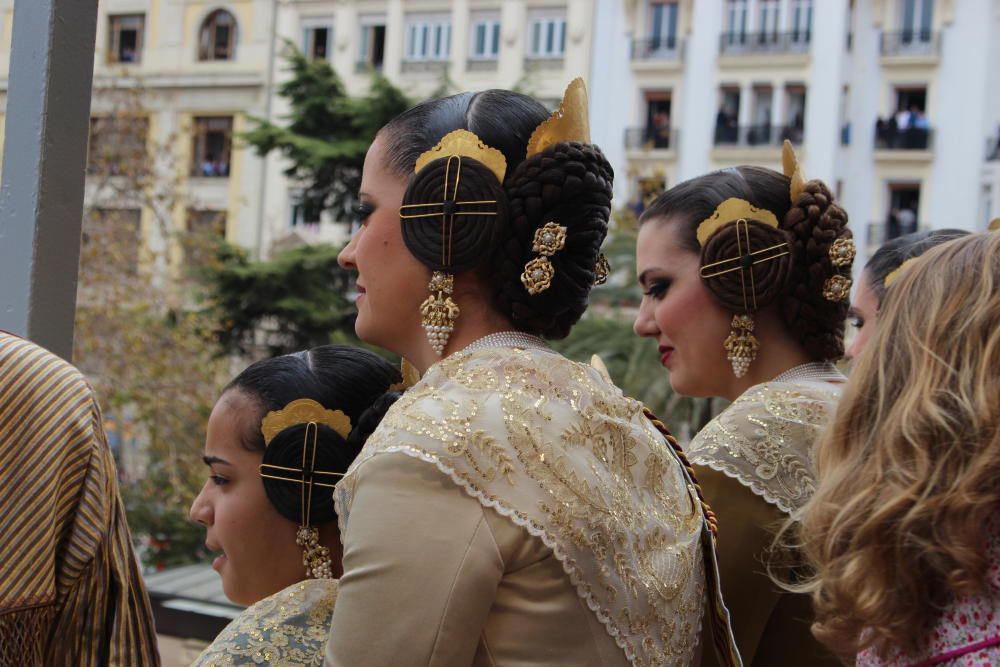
(70,588)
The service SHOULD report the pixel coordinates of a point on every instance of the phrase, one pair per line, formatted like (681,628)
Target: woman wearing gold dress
(513,508)
(746,276)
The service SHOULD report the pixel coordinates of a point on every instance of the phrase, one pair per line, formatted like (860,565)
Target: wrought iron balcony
(650,138)
(661,48)
(909,139)
(757,136)
(764,43)
(910,43)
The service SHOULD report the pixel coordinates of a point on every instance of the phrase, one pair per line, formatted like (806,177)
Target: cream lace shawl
(557,449)
(289,628)
(765,439)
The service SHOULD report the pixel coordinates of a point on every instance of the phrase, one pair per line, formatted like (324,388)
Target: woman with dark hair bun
(745,275)
(880,271)
(513,507)
(280,436)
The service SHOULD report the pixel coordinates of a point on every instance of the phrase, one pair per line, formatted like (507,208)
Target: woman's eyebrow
(209,460)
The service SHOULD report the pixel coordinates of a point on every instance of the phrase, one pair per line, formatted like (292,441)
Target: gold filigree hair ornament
(571,122)
(994,225)
(305,411)
(741,345)
(410,374)
(895,273)
(438,312)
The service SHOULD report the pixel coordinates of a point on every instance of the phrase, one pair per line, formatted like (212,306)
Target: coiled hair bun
(815,223)
(569,183)
(770,277)
(472,237)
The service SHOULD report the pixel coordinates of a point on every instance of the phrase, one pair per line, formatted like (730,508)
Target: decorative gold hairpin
(895,273)
(461,143)
(793,170)
(303,411)
(994,225)
(315,556)
(570,123)
(602,270)
(837,288)
(741,345)
(730,210)
(410,374)
(538,273)
(842,252)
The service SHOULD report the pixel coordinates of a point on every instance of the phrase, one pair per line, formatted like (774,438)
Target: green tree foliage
(327,132)
(292,301)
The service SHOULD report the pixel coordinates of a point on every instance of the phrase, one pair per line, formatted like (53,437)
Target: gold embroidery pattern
(557,449)
(765,439)
(288,628)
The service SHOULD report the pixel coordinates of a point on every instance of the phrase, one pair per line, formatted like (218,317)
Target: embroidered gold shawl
(765,439)
(557,449)
(288,628)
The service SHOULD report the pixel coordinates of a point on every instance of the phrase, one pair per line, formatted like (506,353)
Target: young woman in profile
(280,436)
(880,271)
(745,279)
(904,527)
(513,508)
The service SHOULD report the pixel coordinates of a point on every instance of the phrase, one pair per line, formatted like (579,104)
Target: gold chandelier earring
(439,311)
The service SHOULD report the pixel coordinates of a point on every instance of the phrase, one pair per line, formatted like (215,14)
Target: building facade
(201,69)
(891,102)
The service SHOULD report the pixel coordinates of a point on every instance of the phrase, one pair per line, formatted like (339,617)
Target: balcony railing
(764,43)
(910,43)
(668,49)
(435,66)
(543,62)
(754,136)
(650,138)
(481,65)
(910,139)
(362,66)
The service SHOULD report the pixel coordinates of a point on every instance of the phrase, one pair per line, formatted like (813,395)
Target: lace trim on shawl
(486,469)
(764,440)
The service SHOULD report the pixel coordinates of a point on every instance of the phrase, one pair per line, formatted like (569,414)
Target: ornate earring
(550,238)
(602,270)
(741,345)
(438,312)
(315,556)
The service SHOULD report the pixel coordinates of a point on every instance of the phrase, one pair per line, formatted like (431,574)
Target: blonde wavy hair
(909,470)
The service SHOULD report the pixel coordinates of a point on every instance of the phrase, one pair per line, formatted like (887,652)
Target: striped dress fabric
(70,588)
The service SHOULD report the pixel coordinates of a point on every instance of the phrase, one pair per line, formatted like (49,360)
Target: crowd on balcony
(906,129)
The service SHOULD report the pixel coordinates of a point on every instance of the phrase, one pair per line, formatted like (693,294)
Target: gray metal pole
(44,162)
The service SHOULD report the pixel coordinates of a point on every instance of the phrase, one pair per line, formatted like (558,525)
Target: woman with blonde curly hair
(903,528)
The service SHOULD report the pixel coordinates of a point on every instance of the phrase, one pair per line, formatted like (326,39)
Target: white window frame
(920,9)
(801,20)
(311,24)
(366,27)
(769,18)
(668,39)
(737,16)
(428,37)
(546,36)
(489,24)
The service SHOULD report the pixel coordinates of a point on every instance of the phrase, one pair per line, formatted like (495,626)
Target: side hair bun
(769,279)
(569,183)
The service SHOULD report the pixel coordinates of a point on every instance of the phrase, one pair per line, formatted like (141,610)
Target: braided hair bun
(816,222)
(569,183)
(770,277)
(472,236)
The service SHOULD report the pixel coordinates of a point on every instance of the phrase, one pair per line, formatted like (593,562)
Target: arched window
(217,38)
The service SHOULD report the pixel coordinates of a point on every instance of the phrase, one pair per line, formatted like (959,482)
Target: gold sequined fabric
(765,439)
(287,629)
(555,448)
(70,587)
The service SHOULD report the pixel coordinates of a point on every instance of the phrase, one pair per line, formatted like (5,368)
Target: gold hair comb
(570,123)
(895,273)
(462,143)
(729,211)
(793,170)
(303,411)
